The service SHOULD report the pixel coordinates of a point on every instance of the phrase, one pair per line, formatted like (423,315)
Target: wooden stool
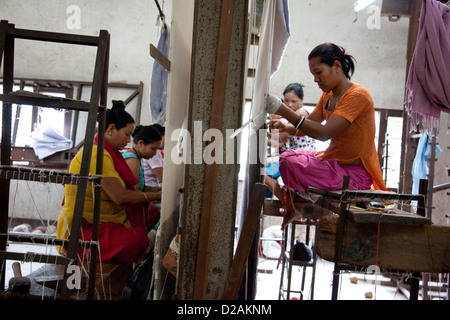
(311,213)
(288,261)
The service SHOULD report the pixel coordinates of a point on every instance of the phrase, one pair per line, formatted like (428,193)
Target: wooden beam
(210,180)
(306,209)
(139,103)
(23,97)
(245,241)
(160,57)
(401,247)
(7,54)
(53,37)
(401,8)
(409,145)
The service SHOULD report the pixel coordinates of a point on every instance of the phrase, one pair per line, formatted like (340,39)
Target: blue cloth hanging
(158,85)
(420,165)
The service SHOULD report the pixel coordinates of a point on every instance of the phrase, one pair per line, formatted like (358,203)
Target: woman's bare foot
(290,213)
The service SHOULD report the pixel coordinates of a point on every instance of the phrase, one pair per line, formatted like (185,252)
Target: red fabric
(121,166)
(117,242)
(146,219)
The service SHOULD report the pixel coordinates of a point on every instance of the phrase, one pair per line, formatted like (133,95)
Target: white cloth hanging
(46,140)
(274,38)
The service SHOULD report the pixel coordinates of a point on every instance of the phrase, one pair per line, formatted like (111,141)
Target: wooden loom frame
(96,107)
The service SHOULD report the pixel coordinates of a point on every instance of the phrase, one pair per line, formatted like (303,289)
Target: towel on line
(428,85)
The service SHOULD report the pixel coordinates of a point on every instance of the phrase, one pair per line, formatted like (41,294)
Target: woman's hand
(153,189)
(154,196)
(273,103)
(122,196)
(282,127)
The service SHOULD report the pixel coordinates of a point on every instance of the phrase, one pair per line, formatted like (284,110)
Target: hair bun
(136,130)
(118,104)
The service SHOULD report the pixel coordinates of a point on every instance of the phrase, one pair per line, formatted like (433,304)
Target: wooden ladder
(96,108)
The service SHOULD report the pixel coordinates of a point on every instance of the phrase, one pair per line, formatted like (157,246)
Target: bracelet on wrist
(300,122)
(146,199)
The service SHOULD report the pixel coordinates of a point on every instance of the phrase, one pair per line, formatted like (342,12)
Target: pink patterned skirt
(301,169)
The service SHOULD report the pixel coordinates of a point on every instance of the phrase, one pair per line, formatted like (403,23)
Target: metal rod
(232,136)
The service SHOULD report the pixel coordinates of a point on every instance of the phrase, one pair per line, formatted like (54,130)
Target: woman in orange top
(348,111)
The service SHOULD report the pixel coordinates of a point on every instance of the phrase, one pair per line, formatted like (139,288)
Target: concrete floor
(268,279)
(268,283)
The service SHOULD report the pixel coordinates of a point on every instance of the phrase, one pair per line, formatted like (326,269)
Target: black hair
(160,128)
(329,53)
(118,116)
(297,88)
(148,134)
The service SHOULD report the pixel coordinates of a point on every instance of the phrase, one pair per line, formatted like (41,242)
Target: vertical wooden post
(98,87)
(104,51)
(421,210)
(7,49)
(249,229)
(208,214)
(340,239)
(218,104)
(409,146)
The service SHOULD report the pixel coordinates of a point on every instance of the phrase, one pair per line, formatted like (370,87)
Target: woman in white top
(293,98)
(153,167)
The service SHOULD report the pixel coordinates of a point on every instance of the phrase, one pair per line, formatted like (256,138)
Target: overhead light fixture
(361,4)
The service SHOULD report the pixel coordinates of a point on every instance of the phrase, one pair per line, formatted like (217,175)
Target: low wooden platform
(309,208)
(404,244)
(389,216)
(407,241)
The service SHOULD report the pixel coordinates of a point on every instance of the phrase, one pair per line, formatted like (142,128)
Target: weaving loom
(392,239)
(96,112)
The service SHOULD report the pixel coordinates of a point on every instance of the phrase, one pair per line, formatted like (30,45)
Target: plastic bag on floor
(271,248)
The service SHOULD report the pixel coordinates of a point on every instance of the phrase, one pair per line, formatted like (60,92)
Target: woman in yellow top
(348,111)
(125,217)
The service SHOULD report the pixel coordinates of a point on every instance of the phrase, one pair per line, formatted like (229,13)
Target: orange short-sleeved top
(109,211)
(358,139)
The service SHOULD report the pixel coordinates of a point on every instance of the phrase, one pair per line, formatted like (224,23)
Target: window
(26,118)
(394,152)
(390,132)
